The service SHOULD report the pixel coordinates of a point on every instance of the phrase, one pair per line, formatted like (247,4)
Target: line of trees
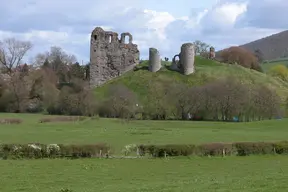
(222,100)
(57,84)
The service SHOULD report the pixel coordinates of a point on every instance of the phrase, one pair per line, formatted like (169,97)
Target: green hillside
(206,71)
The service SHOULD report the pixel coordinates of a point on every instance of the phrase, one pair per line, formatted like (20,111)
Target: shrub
(280,71)
(281,147)
(62,119)
(11,121)
(250,148)
(240,56)
(170,150)
(66,190)
(85,151)
(37,151)
(128,149)
(215,149)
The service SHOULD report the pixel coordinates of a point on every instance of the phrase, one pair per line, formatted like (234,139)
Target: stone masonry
(186,57)
(110,57)
(154,60)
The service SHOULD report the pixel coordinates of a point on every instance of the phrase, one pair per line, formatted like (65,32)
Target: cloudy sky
(163,24)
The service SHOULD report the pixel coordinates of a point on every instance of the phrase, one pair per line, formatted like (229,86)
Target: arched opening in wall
(126,39)
(177,58)
(110,39)
(95,37)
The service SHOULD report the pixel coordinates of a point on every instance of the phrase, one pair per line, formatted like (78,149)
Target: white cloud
(223,16)
(69,23)
(265,14)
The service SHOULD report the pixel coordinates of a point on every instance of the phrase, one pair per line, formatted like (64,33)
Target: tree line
(56,83)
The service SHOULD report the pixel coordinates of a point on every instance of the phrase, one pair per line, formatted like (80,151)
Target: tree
(12,52)
(18,90)
(87,71)
(240,56)
(185,99)
(76,71)
(57,60)
(258,53)
(157,104)
(266,103)
(121,103)
(55,53)
(200,47)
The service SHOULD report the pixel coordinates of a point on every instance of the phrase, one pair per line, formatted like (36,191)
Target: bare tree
(121,102)
(266,103)
(200,47)
(55,53)
(12,52)
(18,88)
(185,99)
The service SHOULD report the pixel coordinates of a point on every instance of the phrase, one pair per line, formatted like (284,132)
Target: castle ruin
(154,60)
(185,64)
(110,57)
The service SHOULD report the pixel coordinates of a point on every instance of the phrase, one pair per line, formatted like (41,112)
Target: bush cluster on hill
(240,56)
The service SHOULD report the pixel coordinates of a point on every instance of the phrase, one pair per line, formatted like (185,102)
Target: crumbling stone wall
(110,57)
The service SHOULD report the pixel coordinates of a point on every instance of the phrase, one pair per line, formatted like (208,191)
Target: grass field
(118,133)
(237,174)
(269,64)
(243,174)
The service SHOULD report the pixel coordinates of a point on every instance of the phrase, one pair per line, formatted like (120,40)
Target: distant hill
(206,71)
(272,47)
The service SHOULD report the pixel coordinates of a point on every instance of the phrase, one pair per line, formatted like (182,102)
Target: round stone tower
(187,58)
(154,60)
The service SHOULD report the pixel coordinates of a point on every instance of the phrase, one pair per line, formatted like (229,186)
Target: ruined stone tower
(186,57)
(154,60)
(110,57)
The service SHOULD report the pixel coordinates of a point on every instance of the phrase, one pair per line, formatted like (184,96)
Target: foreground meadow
(242,174)
(219,174)
(117,133)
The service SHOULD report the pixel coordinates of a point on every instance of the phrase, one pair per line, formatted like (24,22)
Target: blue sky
(163,24)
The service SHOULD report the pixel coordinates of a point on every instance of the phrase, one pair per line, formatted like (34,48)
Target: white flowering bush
(36,151)
(53,149)
(128,149)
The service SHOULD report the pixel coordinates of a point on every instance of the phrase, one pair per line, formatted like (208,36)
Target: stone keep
(186,57)
(154,60)
(110,57)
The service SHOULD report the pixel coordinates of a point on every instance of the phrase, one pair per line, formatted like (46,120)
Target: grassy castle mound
(206,71)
